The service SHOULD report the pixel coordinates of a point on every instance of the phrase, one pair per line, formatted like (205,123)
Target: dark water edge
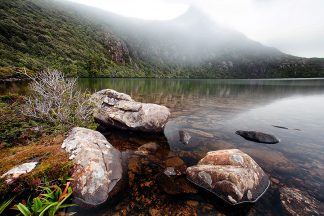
(219,108)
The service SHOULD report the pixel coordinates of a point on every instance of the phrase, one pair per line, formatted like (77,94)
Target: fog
(292,26)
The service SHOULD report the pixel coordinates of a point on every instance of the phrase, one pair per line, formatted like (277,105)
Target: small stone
(147,148)
(192,203)
(175,185)
(17,171)
(174,162)
(154,212)
(169,171)
(274,180)
(249,195)
(175,166)
(184,137)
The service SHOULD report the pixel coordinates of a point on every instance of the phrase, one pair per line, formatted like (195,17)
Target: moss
(53,163)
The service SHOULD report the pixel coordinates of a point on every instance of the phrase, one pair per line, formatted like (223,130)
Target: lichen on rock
(230,174)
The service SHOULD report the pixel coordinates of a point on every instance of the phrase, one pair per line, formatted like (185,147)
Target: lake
(215,109)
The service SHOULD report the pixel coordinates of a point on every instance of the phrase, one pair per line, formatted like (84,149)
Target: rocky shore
(129,164)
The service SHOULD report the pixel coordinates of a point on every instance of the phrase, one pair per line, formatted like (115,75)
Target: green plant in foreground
(50,201)
(5,204)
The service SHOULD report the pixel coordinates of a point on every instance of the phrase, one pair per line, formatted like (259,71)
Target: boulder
(258,137)
(119,110)
(230,174)
(98,166)
(17,171)
(295,202)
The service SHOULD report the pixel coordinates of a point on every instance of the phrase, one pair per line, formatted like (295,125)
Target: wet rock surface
(17,171)
(119,110)
(230,174)
(258,136)
(297,203)
(98,166)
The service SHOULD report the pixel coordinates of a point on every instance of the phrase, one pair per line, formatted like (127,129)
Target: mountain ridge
(84,41)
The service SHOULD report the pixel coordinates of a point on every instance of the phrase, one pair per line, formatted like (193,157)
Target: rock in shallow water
(98,167)
(174,185)
(121,111)
(230,174)
(258,137)
(296,202)
(185,135)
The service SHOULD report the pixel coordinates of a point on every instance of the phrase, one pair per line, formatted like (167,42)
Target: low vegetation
(56,100)
(33,129)
(49,202)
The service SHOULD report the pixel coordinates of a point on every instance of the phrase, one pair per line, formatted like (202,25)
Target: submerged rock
(17,171)
(98,166)
(174,185)
(148,148)
(119,110)
(230,174)
(295,202)
(185,135)
(258,137)
(175,166)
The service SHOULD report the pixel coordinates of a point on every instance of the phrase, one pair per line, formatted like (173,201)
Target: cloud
(293,26)
(144,9)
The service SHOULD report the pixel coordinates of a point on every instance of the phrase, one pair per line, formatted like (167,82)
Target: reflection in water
(212,110)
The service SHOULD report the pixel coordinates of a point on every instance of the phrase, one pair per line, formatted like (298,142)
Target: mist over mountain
(92,42)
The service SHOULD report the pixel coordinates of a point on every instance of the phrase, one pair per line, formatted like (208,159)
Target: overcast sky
(293,26)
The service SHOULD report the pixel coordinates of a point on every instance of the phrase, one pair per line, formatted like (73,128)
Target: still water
(215,109)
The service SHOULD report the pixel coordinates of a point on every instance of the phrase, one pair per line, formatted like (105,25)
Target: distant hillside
(85,41)
(36,35)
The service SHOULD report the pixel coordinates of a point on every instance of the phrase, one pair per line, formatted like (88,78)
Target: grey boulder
(230,174)
(258,137)
(119,110)
(98,166)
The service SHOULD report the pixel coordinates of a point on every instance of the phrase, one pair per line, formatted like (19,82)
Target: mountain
(38,34)
(85,41)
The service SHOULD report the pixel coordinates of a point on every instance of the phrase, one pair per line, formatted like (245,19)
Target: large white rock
(121,111)
(98,167)
(230,174)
